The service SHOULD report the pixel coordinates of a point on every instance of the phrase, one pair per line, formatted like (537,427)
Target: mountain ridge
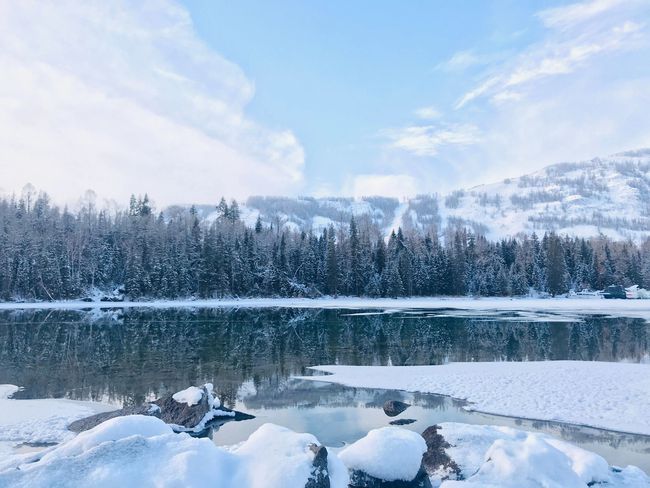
(604,195)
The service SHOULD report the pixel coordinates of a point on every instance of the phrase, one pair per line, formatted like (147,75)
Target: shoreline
(583,306)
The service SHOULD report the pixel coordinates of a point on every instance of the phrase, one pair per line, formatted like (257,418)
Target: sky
(190,100)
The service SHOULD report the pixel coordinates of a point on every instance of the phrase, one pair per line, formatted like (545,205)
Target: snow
(492,456)
(614,396)
(560,305)
(191,396)
(281,458)
(389,453)
(6,391)
(143,451)
(136,450)
(38,421)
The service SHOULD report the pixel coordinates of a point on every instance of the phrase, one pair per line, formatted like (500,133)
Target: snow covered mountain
(609,196)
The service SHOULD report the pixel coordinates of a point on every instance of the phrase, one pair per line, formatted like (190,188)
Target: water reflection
(126,356)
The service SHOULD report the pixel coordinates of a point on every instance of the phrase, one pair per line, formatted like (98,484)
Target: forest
(52,253)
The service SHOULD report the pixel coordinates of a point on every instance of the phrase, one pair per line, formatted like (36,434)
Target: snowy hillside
(608,195)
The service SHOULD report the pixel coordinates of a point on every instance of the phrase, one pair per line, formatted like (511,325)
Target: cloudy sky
(195,99)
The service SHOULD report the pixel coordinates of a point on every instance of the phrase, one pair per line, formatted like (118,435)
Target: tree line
(49,253)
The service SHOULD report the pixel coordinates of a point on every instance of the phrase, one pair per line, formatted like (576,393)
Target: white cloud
(577,34)
(388,185)
(460,61)
(428,113)
(427,140)
(575,13)
(124,98)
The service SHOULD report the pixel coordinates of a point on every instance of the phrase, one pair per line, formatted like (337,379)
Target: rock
(401,421)
(360,479)
(196,419)
(181,414)
(94,420)
(393,408)
(436,460)
(319,475)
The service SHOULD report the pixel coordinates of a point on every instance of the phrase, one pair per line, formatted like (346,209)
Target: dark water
(129,356)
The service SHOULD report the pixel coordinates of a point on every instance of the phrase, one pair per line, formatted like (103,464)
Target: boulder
(94,420)
(182,414)
(402,421)
(196,414)
(388,457)
(435,459)
(360,479)
(319,475)
(393,408)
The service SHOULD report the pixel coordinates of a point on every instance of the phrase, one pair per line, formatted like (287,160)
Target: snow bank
(6,391)
(191,396)
(389,453)
(614,396)
(143,451)
(491,456)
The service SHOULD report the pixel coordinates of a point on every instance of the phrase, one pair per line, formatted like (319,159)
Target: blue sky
(339,73)
(195,99)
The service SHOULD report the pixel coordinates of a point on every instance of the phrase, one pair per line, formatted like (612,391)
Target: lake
(128,356)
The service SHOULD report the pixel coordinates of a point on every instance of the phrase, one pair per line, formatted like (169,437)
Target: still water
(133,355)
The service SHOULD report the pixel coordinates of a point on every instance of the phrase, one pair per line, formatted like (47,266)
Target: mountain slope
(609,196)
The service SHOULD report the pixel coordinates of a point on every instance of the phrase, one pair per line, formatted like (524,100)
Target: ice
(191,396)
(614,396)
(389,453)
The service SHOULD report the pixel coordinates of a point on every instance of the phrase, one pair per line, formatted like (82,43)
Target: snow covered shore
(144,451)
(42,421)
(613,396)
(624,308)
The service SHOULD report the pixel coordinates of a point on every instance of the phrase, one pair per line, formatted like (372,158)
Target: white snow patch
(389,453)
(614,396)
(6,391)
(191,396)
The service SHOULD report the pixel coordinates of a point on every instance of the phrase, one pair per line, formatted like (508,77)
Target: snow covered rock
(186,408)
(191,410)
(386,457)
(143,451)
(493,456)
(393,408)
(278,457)
(88,423)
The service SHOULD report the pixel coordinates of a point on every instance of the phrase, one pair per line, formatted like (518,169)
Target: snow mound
(282,458)
(389,453)
(143,451)
(191,396)
(491,456)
